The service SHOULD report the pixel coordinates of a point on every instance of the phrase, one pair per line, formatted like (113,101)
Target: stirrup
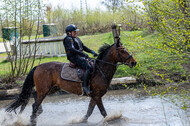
(86,92)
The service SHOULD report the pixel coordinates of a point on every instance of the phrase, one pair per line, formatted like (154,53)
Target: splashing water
(123,109)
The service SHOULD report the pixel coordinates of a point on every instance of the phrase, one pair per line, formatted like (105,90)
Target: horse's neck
(108,69)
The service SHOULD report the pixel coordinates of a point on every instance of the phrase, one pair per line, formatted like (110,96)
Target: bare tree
(113,5)
(24,16)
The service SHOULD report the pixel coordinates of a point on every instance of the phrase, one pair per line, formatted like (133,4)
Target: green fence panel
(49,30)
(9,33)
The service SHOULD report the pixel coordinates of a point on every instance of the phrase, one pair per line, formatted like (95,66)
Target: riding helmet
(71,28)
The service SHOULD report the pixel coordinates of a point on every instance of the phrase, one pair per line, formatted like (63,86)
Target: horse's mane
(103,50)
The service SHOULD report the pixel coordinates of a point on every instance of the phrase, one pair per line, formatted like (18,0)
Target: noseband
(117,64)
(130,56)
(121,63)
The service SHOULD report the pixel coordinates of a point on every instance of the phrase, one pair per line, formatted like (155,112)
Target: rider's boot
(85,87)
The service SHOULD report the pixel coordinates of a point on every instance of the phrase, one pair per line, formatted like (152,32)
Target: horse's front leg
(90,110)
(101,107)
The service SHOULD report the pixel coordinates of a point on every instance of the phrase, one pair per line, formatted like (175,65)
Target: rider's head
(71,30)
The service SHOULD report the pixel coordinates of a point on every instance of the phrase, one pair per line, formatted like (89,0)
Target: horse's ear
(118,42)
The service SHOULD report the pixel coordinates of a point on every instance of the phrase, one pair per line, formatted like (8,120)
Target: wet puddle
(123,109)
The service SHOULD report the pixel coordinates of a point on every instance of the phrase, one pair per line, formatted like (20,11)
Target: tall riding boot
(85,82)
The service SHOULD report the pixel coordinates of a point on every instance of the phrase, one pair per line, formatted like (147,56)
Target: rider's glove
(86,55)
(94,54)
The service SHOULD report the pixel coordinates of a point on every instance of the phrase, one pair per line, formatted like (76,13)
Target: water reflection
(123,108)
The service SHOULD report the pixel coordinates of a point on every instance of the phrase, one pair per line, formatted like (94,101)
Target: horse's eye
(122,51)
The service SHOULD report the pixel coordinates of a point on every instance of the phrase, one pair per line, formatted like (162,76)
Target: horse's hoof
(33,121)
(84,119)
(39,112)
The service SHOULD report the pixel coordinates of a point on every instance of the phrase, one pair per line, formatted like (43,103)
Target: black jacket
(74,47)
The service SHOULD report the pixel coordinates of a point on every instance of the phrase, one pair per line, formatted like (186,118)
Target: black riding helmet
(71,28)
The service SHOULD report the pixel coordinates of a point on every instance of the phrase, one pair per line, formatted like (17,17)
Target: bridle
(116,65)
(125,59)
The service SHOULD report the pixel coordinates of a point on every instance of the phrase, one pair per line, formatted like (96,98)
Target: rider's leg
(80,61)
(85,82)
(86,78)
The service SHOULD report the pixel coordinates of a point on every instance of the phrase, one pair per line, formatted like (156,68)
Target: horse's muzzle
(132,64)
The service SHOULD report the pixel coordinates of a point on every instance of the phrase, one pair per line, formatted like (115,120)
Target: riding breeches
(81,62)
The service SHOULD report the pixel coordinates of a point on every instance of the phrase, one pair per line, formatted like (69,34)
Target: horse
(46,78)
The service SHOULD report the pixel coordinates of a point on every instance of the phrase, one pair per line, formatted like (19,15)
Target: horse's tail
(24,96)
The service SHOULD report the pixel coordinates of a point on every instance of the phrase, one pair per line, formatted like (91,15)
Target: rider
(74,50)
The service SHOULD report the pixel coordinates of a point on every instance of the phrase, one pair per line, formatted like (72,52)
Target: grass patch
(149,60)
(32,37)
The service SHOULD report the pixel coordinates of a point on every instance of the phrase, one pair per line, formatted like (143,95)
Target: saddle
(72,72)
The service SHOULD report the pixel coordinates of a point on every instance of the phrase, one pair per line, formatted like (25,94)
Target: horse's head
(123,55)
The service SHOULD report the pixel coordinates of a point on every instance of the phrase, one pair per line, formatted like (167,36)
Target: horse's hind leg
(40,110)
(35,107)
(101,107)
(90,110)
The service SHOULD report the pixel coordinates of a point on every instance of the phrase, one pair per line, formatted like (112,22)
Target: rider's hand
(86,55)
(95,54)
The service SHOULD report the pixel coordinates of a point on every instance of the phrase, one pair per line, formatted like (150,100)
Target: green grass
(32,37)
(149,60)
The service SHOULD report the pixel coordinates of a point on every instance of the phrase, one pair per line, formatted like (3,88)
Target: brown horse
(46,78)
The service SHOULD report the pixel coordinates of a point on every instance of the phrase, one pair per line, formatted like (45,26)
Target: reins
(116,65)
(106,62)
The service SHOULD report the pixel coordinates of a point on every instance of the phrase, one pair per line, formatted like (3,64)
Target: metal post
(119,26)
(116,32)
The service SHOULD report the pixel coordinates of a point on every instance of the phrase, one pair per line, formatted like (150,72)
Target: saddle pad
(68,73)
